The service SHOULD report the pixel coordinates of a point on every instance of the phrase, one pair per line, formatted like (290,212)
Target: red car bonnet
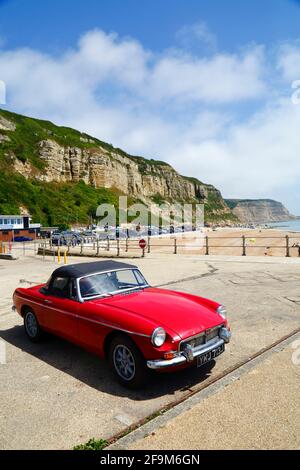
(169,309)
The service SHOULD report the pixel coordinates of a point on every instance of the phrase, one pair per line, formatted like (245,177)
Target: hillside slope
(61,175)
(259,210)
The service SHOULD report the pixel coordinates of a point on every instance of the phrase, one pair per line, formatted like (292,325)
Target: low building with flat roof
(12,226)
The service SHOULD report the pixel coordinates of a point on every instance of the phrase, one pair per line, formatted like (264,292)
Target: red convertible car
(108,308)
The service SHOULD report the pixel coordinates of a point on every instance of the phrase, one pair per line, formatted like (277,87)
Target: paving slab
(257,410)
(54,395)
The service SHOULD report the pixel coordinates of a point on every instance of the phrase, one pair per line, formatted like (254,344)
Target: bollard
(58,255)
(175,246)
(108,244)
(126,245)
(118,247)
(206,246)
(287,246)
(143,254)
(244,245)
(97,247)
(65,257)
(148,249)
(81,248)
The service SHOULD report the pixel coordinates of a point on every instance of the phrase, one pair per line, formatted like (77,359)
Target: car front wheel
(127,362)
(32,327)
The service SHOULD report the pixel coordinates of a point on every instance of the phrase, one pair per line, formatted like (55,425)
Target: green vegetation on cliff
(54,203)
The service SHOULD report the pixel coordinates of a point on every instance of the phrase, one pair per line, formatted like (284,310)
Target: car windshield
(110,283)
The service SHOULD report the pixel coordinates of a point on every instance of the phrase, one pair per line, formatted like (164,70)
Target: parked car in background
(22,239)
(67,237)
(109,308)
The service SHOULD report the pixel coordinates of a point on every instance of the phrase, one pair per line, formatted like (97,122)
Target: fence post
(118,247)
(175,246)
(244,245)
(287,246)
(149,248)
(97,247)
(206,246)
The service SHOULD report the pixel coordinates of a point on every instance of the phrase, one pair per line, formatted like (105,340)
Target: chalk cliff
(259,210)
(47,153)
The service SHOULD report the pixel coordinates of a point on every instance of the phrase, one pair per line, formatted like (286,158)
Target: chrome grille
(202,338)
(212,333)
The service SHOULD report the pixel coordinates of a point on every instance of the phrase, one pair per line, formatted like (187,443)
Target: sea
(289,225)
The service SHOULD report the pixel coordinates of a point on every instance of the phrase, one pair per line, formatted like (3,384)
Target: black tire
(32,327)
(136,368)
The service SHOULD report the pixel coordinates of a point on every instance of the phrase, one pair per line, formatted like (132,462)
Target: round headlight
(222,311)
(158,337)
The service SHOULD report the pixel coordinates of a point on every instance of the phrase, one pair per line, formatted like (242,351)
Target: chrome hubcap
(31,325)
(124,362)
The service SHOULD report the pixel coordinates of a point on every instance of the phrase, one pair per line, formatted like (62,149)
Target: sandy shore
(221,241)
(227,241)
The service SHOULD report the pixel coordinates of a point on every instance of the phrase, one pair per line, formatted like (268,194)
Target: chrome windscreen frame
(104,296)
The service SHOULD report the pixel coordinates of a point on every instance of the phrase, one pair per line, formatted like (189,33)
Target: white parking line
(2,352)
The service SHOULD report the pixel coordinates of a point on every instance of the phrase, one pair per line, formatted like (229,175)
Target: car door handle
(48,301)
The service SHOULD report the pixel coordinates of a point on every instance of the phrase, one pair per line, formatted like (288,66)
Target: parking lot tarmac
(55,395)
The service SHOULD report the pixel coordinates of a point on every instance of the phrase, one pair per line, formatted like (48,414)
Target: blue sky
(203,84)
(50,25)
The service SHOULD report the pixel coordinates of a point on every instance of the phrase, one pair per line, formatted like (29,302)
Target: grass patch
(92,444)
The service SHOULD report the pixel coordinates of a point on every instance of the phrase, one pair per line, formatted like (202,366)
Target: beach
(228,242)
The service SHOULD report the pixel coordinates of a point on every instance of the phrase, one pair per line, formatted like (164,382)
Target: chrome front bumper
(189,356)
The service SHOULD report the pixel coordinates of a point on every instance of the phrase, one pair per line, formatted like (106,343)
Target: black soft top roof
(83,269)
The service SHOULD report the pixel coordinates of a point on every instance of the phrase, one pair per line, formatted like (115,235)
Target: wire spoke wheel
(31,325)
(124,362)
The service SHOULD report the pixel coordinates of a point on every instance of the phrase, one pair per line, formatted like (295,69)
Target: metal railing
(288,246)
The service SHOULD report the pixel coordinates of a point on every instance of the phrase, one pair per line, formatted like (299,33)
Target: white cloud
(101,59)
(197,34)
(200,114)
(222,78)
(289,61)
(256,158)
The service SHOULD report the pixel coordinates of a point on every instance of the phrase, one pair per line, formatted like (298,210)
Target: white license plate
(210,356)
